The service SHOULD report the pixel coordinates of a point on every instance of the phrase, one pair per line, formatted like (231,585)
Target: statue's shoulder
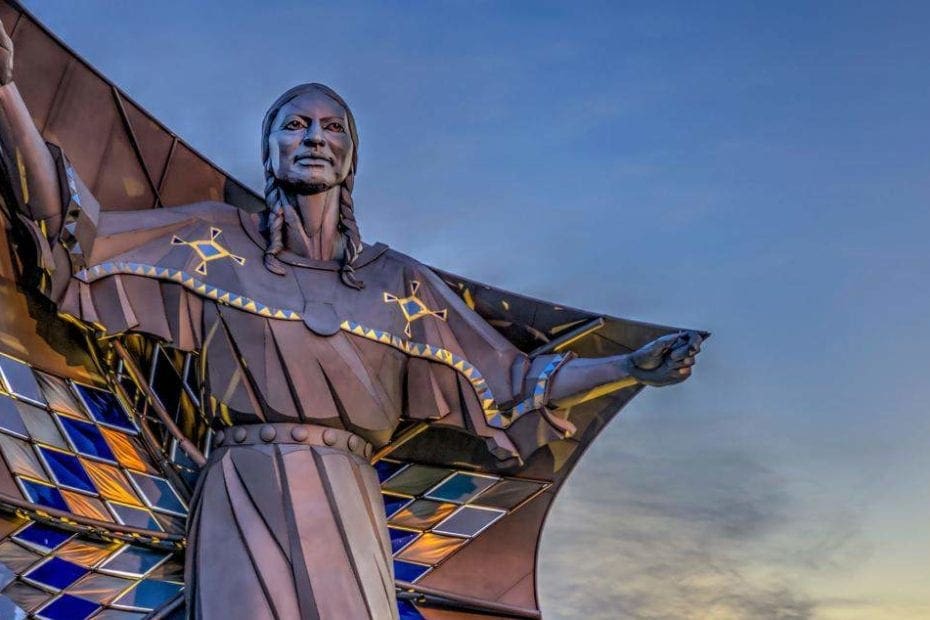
(415,268)
(398,260)
(189,237)
(125,222)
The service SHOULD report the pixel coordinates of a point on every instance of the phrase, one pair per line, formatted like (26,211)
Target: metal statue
(317,355)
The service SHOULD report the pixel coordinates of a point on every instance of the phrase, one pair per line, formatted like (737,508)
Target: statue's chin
(304,188)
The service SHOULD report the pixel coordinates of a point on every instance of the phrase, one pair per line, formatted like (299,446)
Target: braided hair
(280,211)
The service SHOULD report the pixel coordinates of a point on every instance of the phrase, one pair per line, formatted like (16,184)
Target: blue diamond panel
(136,561)
(67,607)
(149,594)
(408,611)
(42,536)
(461,487)
(19,380)
(86,439)
(10,420)
(56,573)
(135,517)
(44,495)
(392,504)
(105,408)
(400,538)
(408,571)
(67,470)
(158,494)
(386,469)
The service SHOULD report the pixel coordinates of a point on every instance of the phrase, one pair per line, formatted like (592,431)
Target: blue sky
(756,169)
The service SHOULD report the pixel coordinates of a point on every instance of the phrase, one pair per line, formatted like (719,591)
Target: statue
(313,347)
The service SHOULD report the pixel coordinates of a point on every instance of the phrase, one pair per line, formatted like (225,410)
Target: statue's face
(309,144)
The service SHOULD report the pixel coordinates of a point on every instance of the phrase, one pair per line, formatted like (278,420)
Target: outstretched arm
(664,361)
(522,386)
(25,147)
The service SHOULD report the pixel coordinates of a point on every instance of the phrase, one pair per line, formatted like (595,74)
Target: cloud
(696,534)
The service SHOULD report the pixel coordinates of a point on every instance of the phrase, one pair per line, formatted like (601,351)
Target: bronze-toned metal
(313,350)
(399,441)
(289,433)
(470,603)
(135,145)
(564,341)
(268,433)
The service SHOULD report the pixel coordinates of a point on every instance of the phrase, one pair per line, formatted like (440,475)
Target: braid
(350,234)
(277,203)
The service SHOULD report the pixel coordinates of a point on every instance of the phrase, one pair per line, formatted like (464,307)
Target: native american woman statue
(317,354)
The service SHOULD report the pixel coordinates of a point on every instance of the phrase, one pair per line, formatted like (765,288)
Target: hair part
(281,212)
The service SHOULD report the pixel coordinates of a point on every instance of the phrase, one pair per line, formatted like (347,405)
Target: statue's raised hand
(6,57)
(665,360)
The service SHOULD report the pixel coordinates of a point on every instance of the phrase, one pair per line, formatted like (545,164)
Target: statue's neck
(317,236)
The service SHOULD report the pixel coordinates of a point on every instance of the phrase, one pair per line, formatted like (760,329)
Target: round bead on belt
(290,433)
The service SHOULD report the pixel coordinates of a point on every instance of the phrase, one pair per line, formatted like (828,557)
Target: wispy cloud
(690,535)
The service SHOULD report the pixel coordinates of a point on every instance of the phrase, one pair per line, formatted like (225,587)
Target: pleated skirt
(286,532)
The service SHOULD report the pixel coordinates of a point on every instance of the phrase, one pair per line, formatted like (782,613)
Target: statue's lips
(312,160)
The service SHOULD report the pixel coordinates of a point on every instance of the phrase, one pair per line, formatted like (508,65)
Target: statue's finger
(686,362)
(667,341)
(694,341)
(679,353)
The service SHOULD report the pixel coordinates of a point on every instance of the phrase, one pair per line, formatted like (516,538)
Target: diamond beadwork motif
(208,250)
(412,307)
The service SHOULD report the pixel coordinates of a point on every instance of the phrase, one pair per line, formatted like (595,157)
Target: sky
(756,169)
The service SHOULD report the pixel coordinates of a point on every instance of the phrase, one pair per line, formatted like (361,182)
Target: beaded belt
(290,433)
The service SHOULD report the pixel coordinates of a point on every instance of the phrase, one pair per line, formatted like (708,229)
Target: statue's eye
(293,125)
(337,127)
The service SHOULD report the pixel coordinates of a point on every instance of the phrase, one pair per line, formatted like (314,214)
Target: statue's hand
(666,360)
(6,57)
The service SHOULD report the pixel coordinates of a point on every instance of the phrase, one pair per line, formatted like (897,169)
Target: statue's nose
(314,134)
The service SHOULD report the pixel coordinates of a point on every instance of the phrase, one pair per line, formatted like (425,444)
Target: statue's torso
(298,347)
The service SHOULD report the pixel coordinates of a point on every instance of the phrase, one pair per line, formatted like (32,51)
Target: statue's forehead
(313,103)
